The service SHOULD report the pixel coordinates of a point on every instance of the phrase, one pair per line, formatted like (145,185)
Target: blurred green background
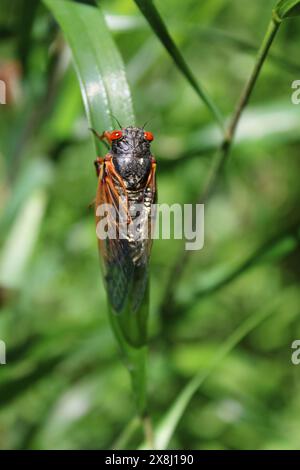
(64,385)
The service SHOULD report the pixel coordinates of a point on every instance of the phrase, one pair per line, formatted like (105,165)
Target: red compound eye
(149,136)
(115,135)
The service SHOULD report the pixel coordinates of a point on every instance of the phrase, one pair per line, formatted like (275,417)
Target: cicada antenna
(117,121)
(147,122)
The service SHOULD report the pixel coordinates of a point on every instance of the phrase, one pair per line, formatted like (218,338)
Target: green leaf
(17,250)
(105,91)
(154,19)
(287,8)
(98,64)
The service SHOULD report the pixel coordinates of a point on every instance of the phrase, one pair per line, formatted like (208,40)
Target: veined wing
(125,260)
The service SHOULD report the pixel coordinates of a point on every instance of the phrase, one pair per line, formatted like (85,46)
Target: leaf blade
(158,26)
(287,8)
(105,91)
(100,70)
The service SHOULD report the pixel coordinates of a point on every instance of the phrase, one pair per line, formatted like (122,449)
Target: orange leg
(103,137)
(112,172)
(98,164)
(151,177)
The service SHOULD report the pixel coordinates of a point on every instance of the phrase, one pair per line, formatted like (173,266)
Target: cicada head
(131,141)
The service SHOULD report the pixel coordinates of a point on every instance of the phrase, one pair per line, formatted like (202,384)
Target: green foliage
(153,17)
(100,70)
(220,366)
(105,92)
(287,8)
(169,423)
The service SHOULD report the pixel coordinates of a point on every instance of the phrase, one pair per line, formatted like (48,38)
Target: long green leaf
(154,19)
(105,92)
(98,64)
(287,9)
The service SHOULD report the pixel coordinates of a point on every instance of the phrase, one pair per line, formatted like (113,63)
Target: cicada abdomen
(125,216)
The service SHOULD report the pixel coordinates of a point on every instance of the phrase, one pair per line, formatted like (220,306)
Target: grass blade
(166,429)
(287,8)
(105,92)
(154,19)
(98,64)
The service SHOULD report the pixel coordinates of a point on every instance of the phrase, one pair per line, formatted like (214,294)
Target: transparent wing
(116,262)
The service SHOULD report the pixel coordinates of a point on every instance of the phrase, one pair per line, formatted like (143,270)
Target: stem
(241,105)
(135,359)
(122,441)
(261,57)
(137,365)
(148,432)
(222,155)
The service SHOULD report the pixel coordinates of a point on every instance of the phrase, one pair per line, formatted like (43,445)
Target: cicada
(125,210)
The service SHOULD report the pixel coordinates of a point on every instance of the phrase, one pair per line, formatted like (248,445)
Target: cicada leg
(151,178)
(111,176)
(104,137)
(98,165)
